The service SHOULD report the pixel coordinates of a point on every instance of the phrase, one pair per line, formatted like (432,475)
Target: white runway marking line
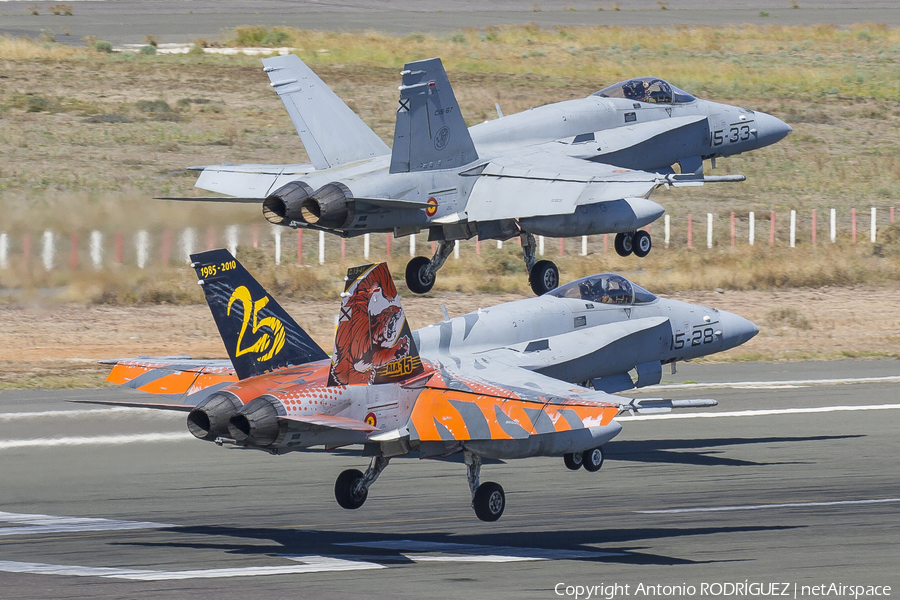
(667,511)
(759,413)
(117,412)
(411,549)
(308,564)
(102,440)
(774,384)
(28,524)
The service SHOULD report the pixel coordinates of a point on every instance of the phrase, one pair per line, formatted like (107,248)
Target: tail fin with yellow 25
(258,334)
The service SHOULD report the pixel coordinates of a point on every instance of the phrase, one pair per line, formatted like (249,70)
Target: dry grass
(494,272)
(80,148)
(749,60)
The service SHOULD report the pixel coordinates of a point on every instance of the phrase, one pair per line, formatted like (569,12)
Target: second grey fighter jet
(596,332)
(579,167)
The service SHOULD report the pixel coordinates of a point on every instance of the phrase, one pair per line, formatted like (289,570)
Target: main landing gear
(591,460)
(543,275)
(420,271)
(352,487)
(633,241)
(488,499)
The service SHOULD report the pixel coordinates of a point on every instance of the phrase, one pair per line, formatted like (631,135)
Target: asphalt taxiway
(185,21)
(791,479)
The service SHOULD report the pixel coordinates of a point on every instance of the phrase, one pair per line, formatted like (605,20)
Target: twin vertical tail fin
(258,334)
(331,133)
(430,132)
(373,343)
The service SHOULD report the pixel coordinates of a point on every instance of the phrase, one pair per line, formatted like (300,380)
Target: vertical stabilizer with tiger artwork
(373,343)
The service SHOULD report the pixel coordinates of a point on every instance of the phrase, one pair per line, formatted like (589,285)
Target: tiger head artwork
(373,343)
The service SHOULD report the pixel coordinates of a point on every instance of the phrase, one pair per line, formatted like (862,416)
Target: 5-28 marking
(698,337)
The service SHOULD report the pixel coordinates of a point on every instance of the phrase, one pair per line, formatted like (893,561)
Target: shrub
(61,9)
(103,46)
(788,317)
(37,104)
(149,50)
(153,106)
(276,38)
(108,118)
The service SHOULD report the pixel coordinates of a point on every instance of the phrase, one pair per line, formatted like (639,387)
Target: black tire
(416,280)
(489,501)
(573,460)
(593,460)
(642,244)
(624,244)
(343,490)
(544,276)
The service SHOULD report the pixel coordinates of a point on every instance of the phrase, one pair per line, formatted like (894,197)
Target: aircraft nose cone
(736,329)
(770,129)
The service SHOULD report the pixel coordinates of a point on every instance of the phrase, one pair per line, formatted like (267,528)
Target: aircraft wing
(545,180)
(478,399)
(637,145)
(551,355)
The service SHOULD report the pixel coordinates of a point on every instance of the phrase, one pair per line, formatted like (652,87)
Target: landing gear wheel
(544,276)
(642,244)
(489,501)
(573,460)
(624,244)
(344,490)
(593,460)
(417,279)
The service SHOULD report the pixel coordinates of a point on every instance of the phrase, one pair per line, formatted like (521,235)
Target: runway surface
(184,21)
(792,479)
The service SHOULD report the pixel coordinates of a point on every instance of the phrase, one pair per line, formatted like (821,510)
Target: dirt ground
(59,345)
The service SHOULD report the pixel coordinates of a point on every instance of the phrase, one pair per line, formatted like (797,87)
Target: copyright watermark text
(737,589)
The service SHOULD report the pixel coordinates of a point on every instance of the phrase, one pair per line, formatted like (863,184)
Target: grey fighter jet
(579,167)
(596,332)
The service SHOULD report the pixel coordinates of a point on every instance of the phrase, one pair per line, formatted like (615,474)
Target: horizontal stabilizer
(331,133)
(173,376)
(249,180)
(152,359)
(330,422)
(153,405)
(211,199)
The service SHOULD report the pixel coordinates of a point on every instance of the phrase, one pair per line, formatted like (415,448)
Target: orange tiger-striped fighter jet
(280,392)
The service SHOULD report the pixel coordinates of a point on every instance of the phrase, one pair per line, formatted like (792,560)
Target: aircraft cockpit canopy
(606,288)
(646,89)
